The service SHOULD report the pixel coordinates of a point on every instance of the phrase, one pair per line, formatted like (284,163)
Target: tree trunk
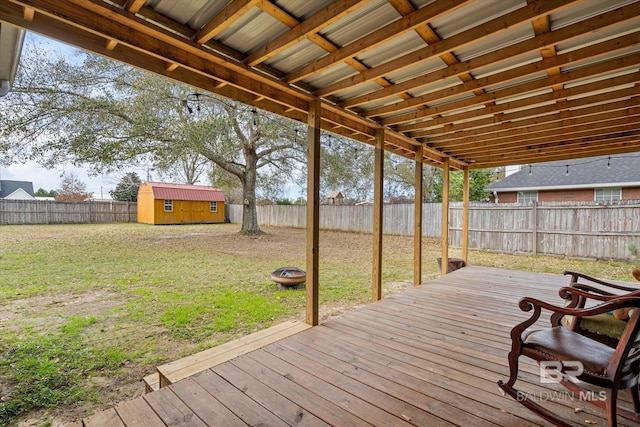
(249,210)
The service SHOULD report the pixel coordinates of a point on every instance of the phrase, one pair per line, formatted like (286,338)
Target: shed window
(213,206)
(608,194)
(527,196)
(168,205)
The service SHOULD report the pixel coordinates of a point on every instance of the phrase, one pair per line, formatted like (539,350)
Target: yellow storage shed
(162,203)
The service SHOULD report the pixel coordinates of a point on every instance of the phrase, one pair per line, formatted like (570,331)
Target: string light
(567,166)
(198,98)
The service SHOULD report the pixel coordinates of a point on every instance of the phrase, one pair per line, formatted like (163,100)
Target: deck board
(429,356)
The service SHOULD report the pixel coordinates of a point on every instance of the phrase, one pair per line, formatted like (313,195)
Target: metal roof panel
(167,191)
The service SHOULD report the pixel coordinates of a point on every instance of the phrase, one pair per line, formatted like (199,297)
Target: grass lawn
(87,310)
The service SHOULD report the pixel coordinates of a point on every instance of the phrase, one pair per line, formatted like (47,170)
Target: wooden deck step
(151,382)
(198,362)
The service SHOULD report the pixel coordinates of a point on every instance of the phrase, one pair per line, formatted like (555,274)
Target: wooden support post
(313,211)
(534,232)
(445,217)
(465,215)
(417,220)
(378,205)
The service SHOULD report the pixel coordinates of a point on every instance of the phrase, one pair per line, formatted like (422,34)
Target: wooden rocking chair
(612,369)
(603,327)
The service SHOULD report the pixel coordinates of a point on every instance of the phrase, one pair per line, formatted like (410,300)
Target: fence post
(534,222)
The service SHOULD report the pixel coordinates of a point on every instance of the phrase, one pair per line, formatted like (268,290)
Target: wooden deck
(429,356)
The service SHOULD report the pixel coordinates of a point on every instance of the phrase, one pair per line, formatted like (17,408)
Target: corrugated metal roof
(465,79)
(167,191)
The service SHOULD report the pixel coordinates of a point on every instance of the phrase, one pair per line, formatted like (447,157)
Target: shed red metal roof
(167,191)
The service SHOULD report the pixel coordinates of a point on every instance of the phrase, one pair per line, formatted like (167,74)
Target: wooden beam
(29,13)
(465,215)
(227,16)
(465,133)
(444,241)
(313,212)
(378,206)
(321,19)
(559,98)
(623,142)
(584,73)
(417,218)
(562,134)
(523,71)
(496,25)
(547,40)
(405,24)
(133,6)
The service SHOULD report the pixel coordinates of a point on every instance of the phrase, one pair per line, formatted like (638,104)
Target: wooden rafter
(305,29)
(543,41)
(405,24)
(465,132)
(480,32)
(231,13)
(582,117)
(133,6)
(575,99)
(590,71)
(549,64)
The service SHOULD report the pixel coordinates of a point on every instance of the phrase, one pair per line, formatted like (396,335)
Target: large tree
(90,110)
(478,180)
(127,188)
(72,189)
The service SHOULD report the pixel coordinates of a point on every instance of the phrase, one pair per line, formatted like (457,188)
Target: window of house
(608,194)
(213,206)
(168,205)
(527,196)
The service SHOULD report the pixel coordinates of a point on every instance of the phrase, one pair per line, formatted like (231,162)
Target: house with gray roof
(599,179)
(16,190)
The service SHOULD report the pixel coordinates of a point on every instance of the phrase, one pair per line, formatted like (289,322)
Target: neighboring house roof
(593,172)
(8,188)
(104,197)
(185,192)
(335,195)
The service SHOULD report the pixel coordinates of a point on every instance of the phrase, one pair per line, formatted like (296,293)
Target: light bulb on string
(567,170)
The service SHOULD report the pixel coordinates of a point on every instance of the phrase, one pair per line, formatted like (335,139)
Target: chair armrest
(576,275)
(580,294)
(536,305)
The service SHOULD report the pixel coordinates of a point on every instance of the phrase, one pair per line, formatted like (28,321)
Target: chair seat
(562,345)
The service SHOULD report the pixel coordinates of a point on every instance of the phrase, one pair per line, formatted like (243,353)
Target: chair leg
(513,370)
(528,403)
(635,399)
(612,403)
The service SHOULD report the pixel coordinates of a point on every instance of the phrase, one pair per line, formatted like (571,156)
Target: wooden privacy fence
(583,230)
(51,212)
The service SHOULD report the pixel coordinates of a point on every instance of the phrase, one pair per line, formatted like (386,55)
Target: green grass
(88,310)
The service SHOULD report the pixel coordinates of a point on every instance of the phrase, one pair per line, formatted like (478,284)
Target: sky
(51,179)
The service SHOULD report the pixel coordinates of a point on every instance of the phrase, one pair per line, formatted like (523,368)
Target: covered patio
(459,84)
(430,356)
